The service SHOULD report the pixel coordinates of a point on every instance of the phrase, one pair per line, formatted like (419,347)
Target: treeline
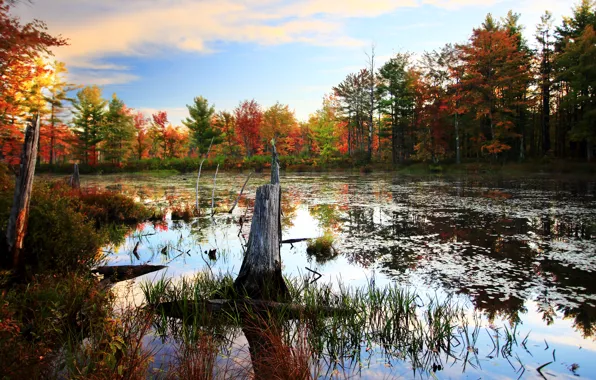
(494,97)
(497,97)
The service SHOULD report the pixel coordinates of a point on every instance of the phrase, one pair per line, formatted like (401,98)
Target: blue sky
(160,54)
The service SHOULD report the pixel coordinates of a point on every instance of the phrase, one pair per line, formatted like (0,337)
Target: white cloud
(101,77)
(97,31)
(100,31)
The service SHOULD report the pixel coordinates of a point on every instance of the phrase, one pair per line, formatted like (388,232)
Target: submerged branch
(240,195)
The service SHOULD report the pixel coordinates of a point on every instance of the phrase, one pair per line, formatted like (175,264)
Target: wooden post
(19,213)
(260,274)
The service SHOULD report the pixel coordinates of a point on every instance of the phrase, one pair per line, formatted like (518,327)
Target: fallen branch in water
(117,273)
(241,191)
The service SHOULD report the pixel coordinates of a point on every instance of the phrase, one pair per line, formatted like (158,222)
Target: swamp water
(518,255)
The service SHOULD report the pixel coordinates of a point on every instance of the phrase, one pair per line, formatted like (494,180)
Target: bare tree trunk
(19,214)
(260,274)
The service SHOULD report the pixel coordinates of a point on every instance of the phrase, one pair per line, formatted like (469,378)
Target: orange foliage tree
(495,73)
(21,46)
(142,141)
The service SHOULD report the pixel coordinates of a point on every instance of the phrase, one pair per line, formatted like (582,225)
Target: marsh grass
(392,322)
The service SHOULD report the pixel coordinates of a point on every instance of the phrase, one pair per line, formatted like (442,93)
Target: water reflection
(513,248)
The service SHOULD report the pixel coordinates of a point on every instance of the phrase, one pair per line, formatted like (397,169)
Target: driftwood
(241,191)
(199,176)
(19,213)
(189,308)
(117,273)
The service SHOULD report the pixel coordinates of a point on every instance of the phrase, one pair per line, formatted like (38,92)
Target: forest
(497,98)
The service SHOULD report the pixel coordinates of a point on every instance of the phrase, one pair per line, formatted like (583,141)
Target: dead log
(260,274)
(75,179)
(117,273)
(19,213)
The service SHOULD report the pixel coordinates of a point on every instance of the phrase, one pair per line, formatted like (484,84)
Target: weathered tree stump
(19,213)
(260,274)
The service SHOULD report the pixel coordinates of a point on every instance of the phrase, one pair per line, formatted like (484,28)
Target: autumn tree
(88,120)
(142,141)
(158,132)
(56,134)
(278,122)
(200,125)
(175,139)
(432,101)
(21,47)
(226,125)
(496,72)
(249,118)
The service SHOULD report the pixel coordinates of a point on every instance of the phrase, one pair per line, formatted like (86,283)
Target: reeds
(337,326)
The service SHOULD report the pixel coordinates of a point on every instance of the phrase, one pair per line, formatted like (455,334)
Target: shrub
(36,319)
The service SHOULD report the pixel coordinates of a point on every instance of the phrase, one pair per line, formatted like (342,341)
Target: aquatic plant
(322,247)
(327,325)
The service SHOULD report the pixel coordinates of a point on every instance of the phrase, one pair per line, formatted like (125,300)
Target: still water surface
(517,252)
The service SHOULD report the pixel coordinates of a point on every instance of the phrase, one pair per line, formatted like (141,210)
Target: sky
(160,54)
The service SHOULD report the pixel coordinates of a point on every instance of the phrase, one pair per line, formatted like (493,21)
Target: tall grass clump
(325,329)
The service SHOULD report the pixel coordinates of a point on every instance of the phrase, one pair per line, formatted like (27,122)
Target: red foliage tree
(249,117)
(158,131)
